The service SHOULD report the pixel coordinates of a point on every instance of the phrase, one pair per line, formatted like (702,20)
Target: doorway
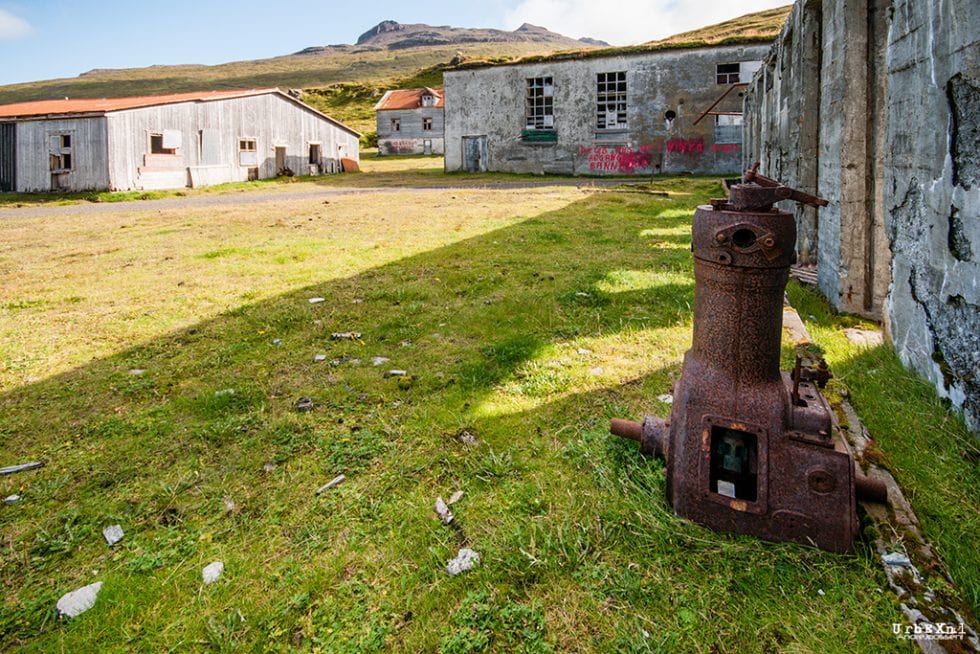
(475,154)
(281,168)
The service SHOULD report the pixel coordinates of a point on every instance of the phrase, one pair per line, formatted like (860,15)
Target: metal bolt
(768,241)
(721,238)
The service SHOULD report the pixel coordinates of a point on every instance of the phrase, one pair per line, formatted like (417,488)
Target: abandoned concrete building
(168,141)
(410,121)
(875,105)
(617,111)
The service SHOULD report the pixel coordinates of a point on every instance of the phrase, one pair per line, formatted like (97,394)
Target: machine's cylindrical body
(750,450)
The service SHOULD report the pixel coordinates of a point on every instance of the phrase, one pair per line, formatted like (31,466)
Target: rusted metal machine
(749,449)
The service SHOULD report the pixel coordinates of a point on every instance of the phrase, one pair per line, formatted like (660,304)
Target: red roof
(104,105)
(409,99)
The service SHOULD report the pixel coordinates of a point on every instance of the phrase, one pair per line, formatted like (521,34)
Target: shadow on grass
(500,337)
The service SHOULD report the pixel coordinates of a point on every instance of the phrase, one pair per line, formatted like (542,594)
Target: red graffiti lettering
(725,147)
(686,146)
(623,159)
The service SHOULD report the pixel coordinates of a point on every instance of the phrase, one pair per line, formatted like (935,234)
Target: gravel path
(260,197)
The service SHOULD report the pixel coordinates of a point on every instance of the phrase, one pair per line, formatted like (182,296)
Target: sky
(46,39)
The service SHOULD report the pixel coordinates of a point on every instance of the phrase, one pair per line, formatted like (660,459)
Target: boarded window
(427,124)
(247,156)
(157,145)
(59,152)
(539,107)
(611,100)
(396,124)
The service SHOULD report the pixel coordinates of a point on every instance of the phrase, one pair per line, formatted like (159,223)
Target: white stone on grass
(11,499)
(457,496)
(666,398)
(212,572)
(377,361)
(79,601)
(317,300)
(113,534)
(442,510)
(897,559)
(336,481)
(467,559)
(319,357)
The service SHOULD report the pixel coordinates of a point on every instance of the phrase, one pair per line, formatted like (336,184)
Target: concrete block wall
(875,105)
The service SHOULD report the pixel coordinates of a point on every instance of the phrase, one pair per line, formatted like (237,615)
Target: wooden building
(166,141)
(410,121)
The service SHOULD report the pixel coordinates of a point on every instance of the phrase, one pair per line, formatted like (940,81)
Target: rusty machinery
(749,449)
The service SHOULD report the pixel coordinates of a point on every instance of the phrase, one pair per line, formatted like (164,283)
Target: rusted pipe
(651,434)
(870,490)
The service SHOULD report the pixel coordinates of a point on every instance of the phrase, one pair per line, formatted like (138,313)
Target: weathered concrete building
(410,121)
(875,105)
(617,111)
(171,141)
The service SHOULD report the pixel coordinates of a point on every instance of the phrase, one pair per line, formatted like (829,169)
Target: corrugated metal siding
(8,157)
(89,154)
(270,120)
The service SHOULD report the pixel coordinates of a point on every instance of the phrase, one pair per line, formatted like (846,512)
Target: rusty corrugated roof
(105,105)
(409,99)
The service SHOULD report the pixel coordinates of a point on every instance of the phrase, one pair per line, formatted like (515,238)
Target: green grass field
(524,318)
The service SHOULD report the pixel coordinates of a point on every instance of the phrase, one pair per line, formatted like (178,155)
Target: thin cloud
(13,27)
(627,22)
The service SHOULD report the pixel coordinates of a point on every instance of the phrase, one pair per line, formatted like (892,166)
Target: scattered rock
(212,572)
(229,504)
(317,358)
(11,499)
(820,592)
(395,373)
(406,343)
(113,534)
(269,467)
(356,300)
(864,337)
(457,496)
(897,559)
(136,372)
(466,437)
(336,481)
(21,467)
(583,351)
(79,601)
(316,300)
(277,341)
(304,404)
(467,559)
(377,361)
(442,510)
(666,398)
(346,336)
(224,391)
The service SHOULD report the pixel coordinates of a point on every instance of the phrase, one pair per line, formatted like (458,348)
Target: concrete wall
(489,102)
(889,90)
(270,119)
(410,138)
(90,167)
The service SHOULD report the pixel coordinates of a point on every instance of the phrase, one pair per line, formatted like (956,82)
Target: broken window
(396,124)
(160,145)
(59,152)
(611,100)
(539,103)
(247,154)
(728,128)
(427,124)
(733,73)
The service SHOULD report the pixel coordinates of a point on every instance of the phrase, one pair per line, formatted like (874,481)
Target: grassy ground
(523,318)
(414,171)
